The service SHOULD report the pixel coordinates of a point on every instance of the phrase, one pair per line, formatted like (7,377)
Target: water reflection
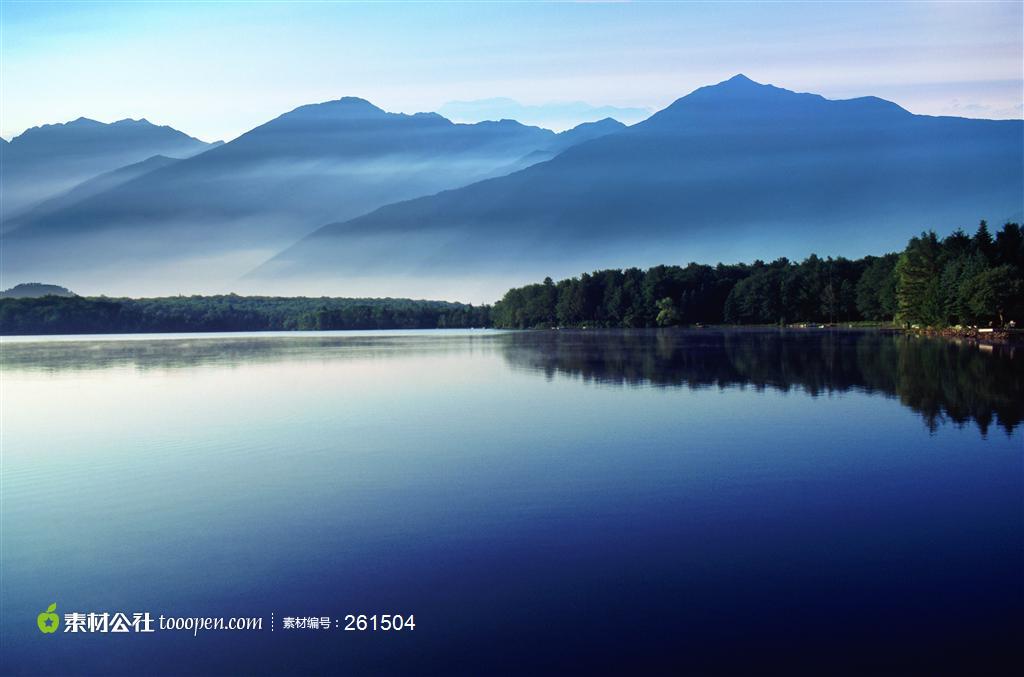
(592,497)
(941,380)
(944,381)
(229,350)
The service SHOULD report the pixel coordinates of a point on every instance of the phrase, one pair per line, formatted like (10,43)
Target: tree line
(81,315)
(961,279)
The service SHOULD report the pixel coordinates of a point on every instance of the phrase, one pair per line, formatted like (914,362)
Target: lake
(574,502)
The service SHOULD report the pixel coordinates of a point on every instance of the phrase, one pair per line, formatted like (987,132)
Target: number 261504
(379,622)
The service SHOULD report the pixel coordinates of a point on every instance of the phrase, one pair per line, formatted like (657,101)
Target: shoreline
(972,334)
(979,334)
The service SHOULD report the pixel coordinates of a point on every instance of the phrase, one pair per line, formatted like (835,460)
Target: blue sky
(216,69)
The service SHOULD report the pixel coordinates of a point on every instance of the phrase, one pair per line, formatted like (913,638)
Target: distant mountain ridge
(417,205)
(737,170)
(561,142)
(33,290)
(45,161)
(87,189)
(554,115)
(241,202)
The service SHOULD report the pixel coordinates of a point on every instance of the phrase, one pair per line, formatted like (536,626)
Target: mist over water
(747,490)
(611,500)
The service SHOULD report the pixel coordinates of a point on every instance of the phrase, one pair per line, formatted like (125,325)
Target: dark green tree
(992,293)
(876,288)
(918,298)
(984,243)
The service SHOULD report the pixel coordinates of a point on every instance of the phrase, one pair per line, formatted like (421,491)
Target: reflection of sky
(417,473)
(217,69)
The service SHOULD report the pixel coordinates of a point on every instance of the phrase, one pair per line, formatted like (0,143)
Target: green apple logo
(48,621)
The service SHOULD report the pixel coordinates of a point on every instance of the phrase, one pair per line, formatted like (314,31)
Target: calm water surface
(589,502)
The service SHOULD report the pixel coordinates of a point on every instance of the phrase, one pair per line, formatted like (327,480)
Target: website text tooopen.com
(196,624)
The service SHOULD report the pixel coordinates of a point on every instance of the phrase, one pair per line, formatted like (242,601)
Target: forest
(81,315)
(961,279)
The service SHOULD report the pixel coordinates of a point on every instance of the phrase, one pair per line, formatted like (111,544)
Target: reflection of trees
(940,379)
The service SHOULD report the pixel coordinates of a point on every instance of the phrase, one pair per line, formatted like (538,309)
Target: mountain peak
(353,101)
(739,88)
(741,84)
(349,104)
(345,108)
(608,122)
(128,122)
(740,79)
(77,123)
(87,128)
(740,100)
(603,126)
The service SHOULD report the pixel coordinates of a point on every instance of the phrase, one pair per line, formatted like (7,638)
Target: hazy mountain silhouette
(555,115)
(32,290)
(87,189)
(733,171)
(251,197)
(562,141)
(45,161)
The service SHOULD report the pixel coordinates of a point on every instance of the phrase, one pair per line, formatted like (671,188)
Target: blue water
(550,502)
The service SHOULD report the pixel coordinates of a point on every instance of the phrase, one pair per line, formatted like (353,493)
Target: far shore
(982,335)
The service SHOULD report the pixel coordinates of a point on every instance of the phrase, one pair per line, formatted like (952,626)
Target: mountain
(733,171)
(562,141)
(587,131)
(555,115)
(228,209)
(32,290)
(87,189)
(45,161)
